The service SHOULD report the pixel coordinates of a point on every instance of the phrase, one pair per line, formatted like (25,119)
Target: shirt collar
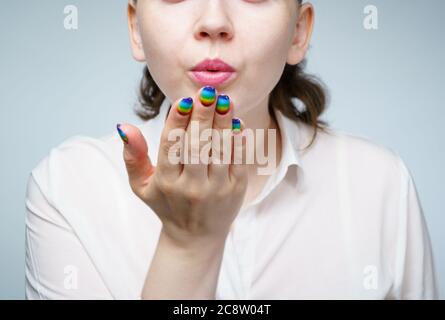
(290,137)
(290,156)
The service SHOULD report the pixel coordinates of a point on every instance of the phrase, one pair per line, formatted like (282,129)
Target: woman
(337,217)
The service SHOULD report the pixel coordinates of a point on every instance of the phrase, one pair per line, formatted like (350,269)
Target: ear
(137,49)
(302,35)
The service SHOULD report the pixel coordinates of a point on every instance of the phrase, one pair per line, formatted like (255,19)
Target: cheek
(163,51)
(265,51)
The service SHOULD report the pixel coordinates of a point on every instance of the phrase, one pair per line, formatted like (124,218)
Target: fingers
(137,161)
(172,138)
(221,139)
(238,168)
(201,123)
(205,121)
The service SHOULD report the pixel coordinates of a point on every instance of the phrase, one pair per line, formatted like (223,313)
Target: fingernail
(208,95)
(222,104)
(122,133)
(185,106)
(236,125)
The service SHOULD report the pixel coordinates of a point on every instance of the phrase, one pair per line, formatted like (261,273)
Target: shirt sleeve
(415,272)
(57,266)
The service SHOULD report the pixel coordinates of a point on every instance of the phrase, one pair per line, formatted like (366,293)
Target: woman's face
(256,37)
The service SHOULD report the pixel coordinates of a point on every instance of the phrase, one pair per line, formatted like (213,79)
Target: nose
(214,21)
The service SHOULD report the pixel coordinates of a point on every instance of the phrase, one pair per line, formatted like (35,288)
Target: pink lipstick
(212,72)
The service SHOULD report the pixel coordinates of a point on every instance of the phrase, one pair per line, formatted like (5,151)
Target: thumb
(137,161)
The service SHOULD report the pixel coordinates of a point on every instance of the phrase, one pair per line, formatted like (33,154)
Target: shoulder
(79,162)
(365,161)
(79,151)
(362,153)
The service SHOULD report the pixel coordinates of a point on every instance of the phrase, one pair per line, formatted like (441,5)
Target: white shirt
(341,220)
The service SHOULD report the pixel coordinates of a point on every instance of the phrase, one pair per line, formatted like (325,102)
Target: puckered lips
(212,72)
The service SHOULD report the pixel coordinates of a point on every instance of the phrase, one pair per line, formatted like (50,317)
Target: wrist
(183,242)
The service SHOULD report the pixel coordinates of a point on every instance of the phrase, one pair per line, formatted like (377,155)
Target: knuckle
(222,124)
(166,187)
(193,197)
(171,136)
(225,191)
(203,117)
(129,160)
(240,176)
(195,147)
(221,188)
(240,188)
(165,146)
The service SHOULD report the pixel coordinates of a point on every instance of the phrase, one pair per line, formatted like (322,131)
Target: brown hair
(294,83)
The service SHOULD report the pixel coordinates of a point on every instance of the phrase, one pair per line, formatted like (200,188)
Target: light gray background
(386,85)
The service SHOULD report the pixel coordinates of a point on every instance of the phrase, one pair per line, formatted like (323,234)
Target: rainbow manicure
(122,133)
(223,104)
(208,95)
(236,125)
(185,106)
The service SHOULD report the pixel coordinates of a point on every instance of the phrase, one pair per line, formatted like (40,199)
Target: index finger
(171,145)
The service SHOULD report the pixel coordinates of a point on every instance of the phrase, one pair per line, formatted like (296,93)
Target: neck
(259,117)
